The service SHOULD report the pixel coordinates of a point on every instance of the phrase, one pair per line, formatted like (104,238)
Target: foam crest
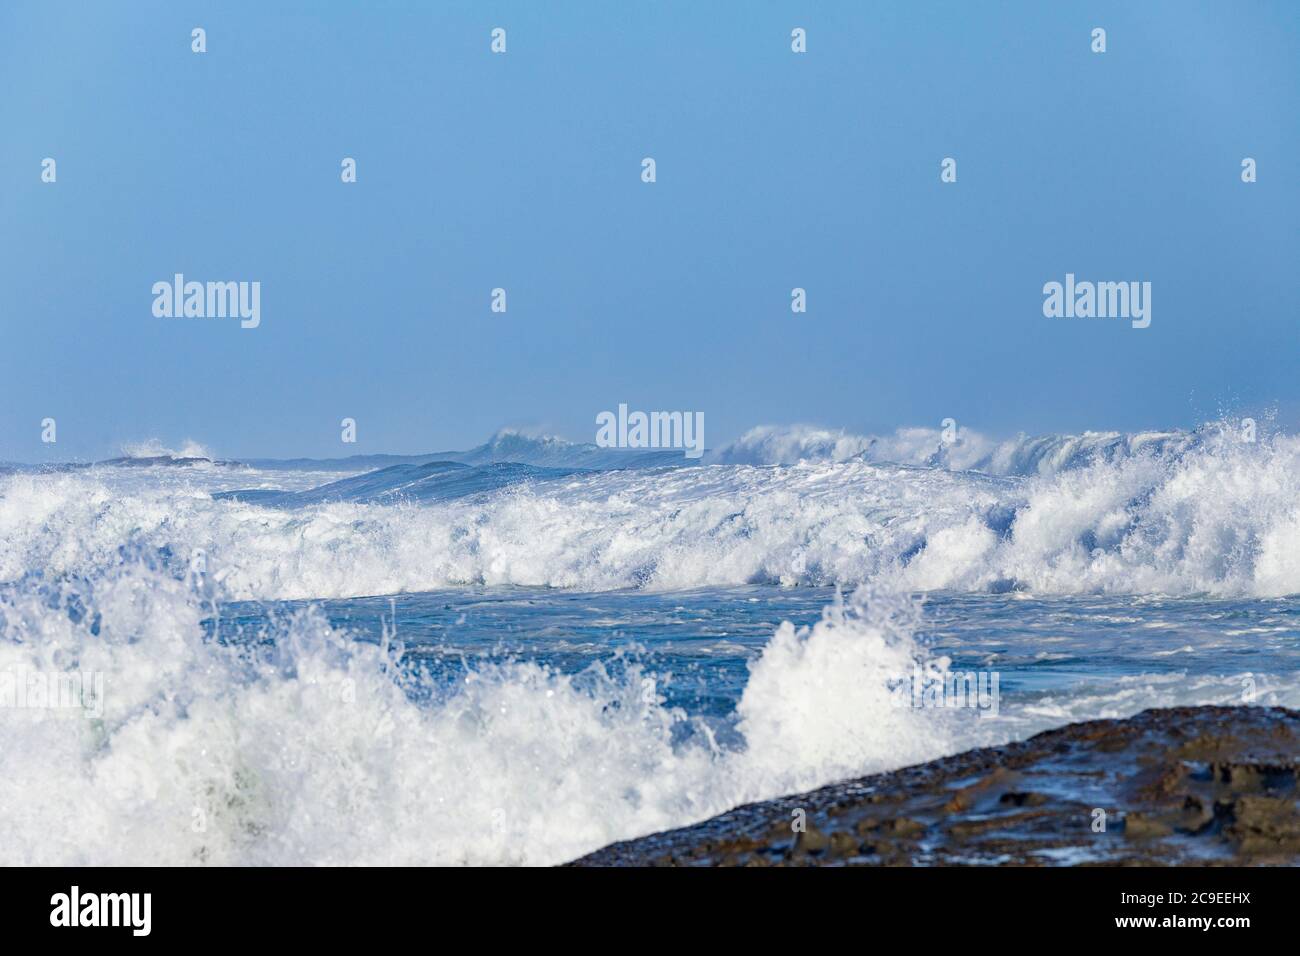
(961,449)
(1218,518)
(153,448)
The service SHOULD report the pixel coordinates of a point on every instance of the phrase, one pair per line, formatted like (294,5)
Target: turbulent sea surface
(523,652)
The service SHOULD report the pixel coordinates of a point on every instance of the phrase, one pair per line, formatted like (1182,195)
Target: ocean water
(523,652)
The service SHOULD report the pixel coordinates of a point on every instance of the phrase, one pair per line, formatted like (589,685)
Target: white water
(1219,518)
(316,753)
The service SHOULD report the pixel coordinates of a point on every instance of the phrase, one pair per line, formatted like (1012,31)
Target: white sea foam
(316,754)
(1219,517)
(317,750)
(962,450)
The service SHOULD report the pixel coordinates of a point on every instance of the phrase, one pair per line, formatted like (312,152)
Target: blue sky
(522,171)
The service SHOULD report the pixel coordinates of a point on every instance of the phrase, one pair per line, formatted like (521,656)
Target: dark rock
(811,840)
(842,844)
(1140,826)
(1182,786)
(1018,799)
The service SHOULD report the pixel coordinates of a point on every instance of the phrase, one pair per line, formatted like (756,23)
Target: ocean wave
(957,450)
(432,481)
(153,448)
(1215,516)
(507,445)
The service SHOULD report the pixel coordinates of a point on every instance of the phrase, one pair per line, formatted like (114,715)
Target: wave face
(432,481)
(1206,514)
(507,445)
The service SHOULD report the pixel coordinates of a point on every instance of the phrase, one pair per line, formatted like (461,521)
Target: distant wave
(969,451)
(153,448)
(791,444)
(507,445)
(433,481)
(1177,513)
(765,445)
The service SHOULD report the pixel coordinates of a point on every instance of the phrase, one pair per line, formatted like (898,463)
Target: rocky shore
(1179,786)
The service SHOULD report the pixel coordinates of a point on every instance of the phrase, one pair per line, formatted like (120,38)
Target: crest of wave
(1220,519)
(153,448)
(958,449)
(782,445)
(317,749)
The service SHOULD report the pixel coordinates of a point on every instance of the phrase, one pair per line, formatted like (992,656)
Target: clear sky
(523,171)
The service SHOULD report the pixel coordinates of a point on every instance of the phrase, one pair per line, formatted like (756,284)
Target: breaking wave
(958,450)
(1203,514)
(314,748)
(153,448)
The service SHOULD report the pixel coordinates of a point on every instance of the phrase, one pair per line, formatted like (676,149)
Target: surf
(1181,514)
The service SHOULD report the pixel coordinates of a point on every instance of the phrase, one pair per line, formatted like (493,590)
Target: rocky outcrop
(1179,786)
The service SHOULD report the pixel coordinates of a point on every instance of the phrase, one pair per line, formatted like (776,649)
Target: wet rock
(811,840)
(1262,825)
(842,844)
(1140,826)
(891,826)
(1179,786)
(1018,799)
(1196,815)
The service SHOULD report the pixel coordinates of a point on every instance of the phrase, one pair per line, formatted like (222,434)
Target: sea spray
(303,745)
